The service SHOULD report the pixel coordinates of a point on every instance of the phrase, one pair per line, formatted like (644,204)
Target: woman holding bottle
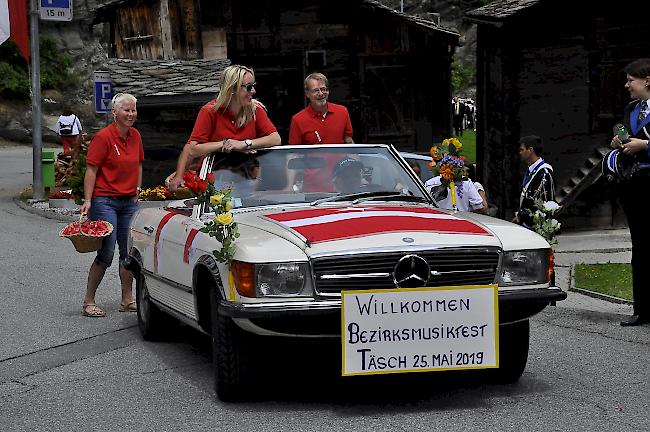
(636,120)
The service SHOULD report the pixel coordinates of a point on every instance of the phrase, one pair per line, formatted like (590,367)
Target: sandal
(130,307)
(93,311)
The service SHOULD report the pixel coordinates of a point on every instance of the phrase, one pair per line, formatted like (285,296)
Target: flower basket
(87,236)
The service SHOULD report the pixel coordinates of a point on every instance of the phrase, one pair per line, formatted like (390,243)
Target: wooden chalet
(555,69)
(392,71)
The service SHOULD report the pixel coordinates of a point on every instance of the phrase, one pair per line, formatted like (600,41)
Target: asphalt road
(60,371)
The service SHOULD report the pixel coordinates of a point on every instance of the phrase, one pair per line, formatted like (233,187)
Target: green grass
(611,279)
(468,140)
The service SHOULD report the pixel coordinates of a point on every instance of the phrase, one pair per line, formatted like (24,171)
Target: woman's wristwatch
(249,144)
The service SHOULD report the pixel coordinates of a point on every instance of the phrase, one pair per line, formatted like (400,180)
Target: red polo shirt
(117,160)
(218,125)
(311,127)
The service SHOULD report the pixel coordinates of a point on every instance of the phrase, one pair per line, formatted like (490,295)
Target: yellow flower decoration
(223,226)
(224,218)
(216,199)
(453,142)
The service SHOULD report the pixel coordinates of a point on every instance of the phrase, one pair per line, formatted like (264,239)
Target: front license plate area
(419,329)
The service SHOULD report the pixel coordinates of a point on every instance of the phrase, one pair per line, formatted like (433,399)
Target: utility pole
(401,6)
(37,142)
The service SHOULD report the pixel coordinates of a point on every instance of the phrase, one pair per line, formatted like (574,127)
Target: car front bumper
(314,317)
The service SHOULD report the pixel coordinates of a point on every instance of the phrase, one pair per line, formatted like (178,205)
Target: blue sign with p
(103,92)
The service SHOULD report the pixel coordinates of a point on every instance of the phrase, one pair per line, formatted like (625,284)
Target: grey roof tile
(163,77)
(416,20)
(500,10)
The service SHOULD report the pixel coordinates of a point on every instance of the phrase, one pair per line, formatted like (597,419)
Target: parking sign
(56,10)
(103,91)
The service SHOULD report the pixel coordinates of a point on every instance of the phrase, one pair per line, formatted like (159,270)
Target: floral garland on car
(449,165)
(545,222)
(223,227)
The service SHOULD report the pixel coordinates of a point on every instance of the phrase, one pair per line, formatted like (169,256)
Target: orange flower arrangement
(449,165)
(447,161)
(447,172)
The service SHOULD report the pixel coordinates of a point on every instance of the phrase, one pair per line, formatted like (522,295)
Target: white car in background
(421,161)
(303,242)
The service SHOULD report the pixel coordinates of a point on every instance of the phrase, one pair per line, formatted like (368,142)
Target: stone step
(602,151)
(592,161)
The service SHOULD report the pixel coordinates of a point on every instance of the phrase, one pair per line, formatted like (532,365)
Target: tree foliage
(55,65)
(462,77)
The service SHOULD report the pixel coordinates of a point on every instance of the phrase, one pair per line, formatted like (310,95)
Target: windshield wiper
(363,196)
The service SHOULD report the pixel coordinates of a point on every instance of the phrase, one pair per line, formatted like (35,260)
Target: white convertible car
(316,220)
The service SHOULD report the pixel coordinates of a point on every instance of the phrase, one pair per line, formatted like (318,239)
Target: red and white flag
(319,225)
(13,23)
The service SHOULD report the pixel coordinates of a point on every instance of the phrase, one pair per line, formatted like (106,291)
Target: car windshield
(314,175)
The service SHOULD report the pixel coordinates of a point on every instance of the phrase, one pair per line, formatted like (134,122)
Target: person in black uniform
(537,183)
(636,117)
(458,116)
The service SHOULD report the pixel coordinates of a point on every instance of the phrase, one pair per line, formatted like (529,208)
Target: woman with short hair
(111,188)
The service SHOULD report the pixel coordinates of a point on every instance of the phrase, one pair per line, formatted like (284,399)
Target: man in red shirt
(321,122)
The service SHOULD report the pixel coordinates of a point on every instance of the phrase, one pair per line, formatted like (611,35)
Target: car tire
(230,355)
(153,322)
(513,352)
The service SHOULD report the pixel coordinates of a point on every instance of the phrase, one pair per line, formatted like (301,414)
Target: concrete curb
(45,213)
(594,294)
(611,250)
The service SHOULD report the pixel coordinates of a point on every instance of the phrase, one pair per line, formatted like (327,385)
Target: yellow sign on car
(420,329)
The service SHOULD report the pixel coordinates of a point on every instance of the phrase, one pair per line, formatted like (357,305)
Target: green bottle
(621,131)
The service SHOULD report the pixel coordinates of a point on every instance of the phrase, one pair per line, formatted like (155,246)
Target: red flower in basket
(87,236)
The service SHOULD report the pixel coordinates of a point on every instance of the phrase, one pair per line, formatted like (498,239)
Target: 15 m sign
(56,10)
(420,329)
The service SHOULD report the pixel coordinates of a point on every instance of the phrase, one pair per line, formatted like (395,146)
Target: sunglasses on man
(250,86)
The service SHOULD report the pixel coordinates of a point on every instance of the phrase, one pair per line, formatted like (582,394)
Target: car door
(172,273)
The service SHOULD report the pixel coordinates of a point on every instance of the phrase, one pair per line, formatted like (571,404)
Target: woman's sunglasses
(250,86)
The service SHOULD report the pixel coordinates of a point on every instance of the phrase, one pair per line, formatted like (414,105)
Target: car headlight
(526,267)
(281,279)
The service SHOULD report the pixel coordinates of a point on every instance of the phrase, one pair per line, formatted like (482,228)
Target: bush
(56,69)
(462,77)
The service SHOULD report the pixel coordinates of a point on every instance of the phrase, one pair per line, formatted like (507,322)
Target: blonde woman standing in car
(234,121)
